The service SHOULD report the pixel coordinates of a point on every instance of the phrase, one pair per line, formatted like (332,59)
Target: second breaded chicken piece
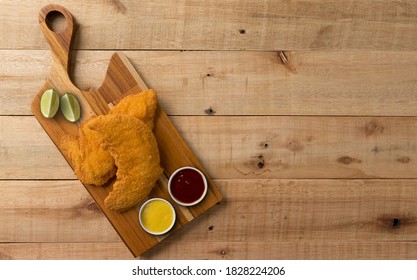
(141,106)
(91,163)
(135,151)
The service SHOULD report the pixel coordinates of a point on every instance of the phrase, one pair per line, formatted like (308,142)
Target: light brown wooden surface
(354,83)
(225,25)
(306,121)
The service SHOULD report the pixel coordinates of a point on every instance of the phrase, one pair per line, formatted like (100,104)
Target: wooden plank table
(303,113)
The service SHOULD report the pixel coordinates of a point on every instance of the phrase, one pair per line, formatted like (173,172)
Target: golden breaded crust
(141,106)
(91,163)
(135,151)
(70,146)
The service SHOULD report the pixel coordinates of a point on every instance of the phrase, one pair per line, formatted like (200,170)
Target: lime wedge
(70,107)
(49,103)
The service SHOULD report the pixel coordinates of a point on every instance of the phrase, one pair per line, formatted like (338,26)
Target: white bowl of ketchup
(187,186)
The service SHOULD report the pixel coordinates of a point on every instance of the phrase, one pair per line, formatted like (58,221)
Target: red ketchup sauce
(187,186)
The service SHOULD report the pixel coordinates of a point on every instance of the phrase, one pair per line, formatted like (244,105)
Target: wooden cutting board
(121,79)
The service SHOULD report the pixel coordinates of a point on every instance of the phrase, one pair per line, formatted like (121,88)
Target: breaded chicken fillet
(135,151)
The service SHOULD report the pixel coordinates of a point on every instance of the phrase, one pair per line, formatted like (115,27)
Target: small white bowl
(202,195)
(173,216)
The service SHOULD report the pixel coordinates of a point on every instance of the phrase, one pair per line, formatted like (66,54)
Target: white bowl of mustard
(157,216)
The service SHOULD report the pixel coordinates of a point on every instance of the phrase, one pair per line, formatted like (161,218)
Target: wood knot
(376,150)
(261,162)
(392,222)
(223,252)
(86,207)
(348,160)
(92,206)
(374,127)
(396,223)
(404,159)
(242,31)
(210,111)
(210,228)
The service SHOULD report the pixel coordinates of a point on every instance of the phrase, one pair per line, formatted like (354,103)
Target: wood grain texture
(340,250)
(296,250)
(248,147)
(303,147)
(225,25)
(311,210)
(303,112)
(52,211)
(65,251)
(307,219)
(376,83)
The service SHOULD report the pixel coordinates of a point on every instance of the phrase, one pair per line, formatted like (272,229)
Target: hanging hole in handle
(56,21)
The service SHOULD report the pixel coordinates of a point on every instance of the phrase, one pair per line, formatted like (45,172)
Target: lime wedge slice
(49,103)
(70,107)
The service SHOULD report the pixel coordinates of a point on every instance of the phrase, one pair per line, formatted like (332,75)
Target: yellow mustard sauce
(157,216)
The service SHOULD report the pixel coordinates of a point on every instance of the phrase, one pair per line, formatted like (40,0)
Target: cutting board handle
(59,41)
